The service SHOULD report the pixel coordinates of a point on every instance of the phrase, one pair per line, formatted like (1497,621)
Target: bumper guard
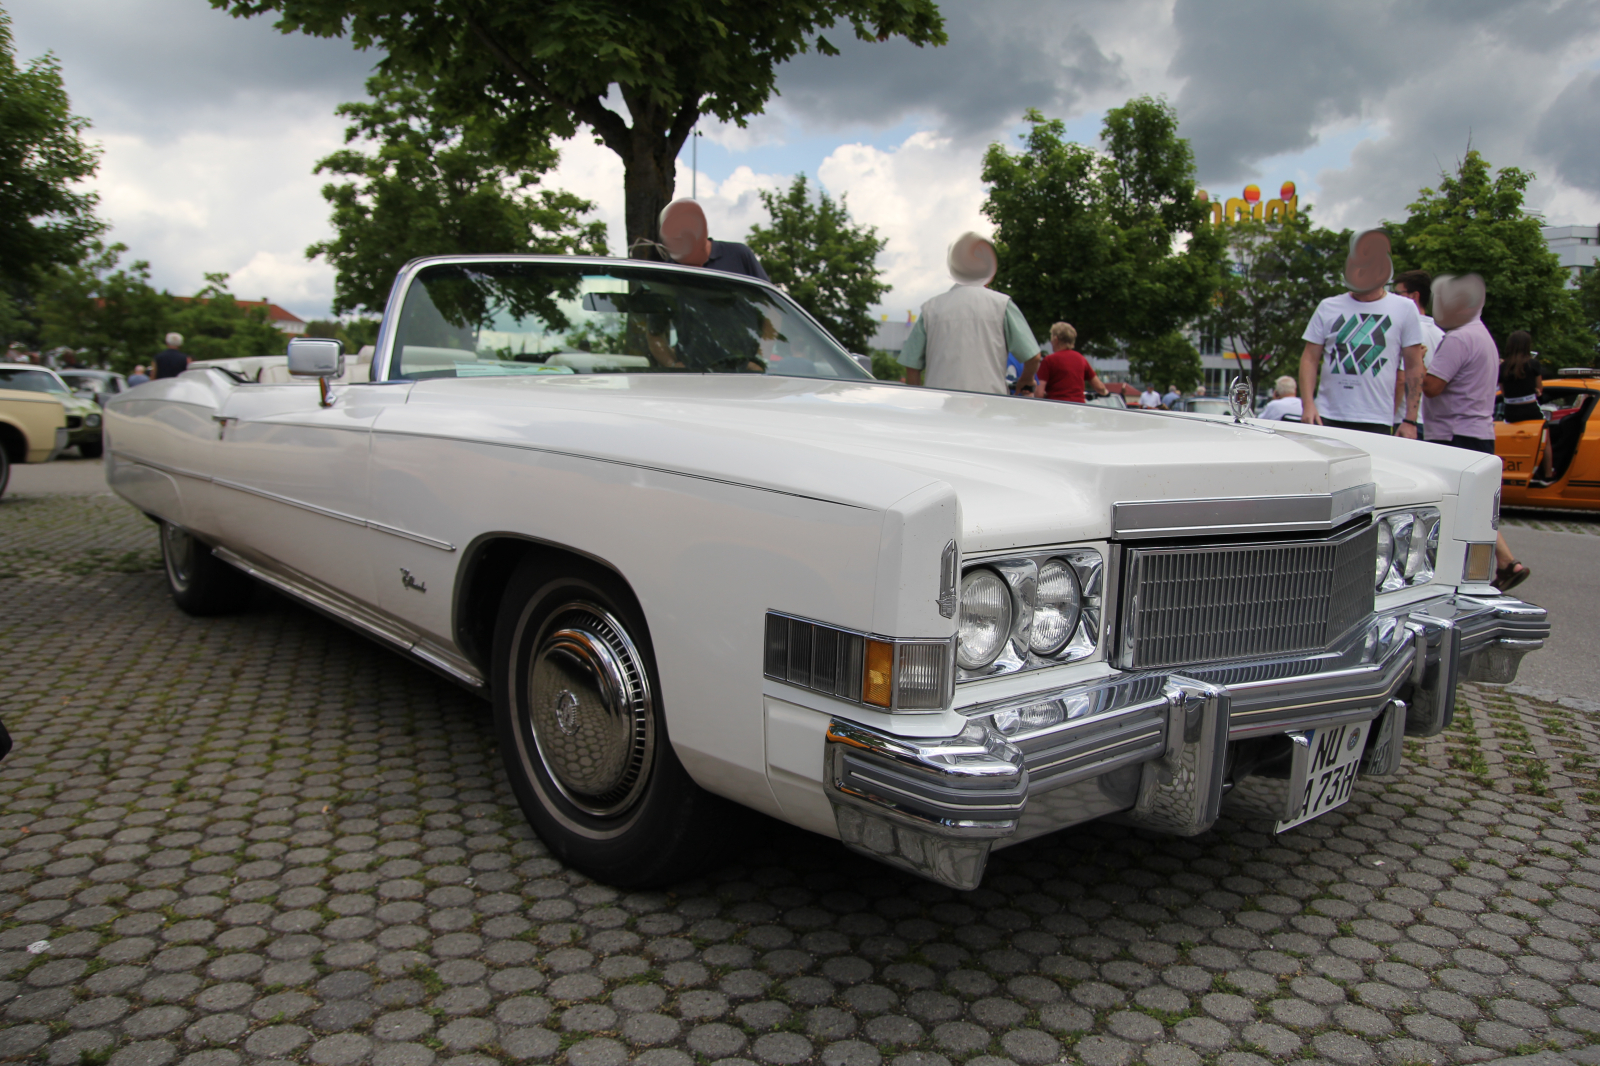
(1153,746)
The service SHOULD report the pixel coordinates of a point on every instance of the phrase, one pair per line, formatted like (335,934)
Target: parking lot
(264,838)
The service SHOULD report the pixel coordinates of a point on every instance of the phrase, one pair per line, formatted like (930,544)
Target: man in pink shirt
(1460,386)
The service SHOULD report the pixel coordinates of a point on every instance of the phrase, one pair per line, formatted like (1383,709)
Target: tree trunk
(648,178)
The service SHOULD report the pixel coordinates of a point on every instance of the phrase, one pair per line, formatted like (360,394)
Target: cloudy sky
(211,126)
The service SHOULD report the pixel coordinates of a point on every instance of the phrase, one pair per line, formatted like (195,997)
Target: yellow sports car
(1572,478)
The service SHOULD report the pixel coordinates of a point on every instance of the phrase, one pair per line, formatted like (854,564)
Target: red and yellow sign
(1250,205)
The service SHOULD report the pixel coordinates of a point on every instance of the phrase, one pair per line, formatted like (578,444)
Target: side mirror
(317,357)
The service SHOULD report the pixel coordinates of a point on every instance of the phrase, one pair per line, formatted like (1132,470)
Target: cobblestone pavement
(262,838)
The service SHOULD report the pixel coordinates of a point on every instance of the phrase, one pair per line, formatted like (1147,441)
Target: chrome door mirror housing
(316,357)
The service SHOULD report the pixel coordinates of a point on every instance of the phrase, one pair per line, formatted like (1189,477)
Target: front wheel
(92,449)
(201,584)
(578,712)
(5,468)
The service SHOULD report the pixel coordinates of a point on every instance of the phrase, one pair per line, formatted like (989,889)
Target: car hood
(1026,471)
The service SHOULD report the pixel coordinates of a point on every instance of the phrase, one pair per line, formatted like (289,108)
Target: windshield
(26,380)
(497,319)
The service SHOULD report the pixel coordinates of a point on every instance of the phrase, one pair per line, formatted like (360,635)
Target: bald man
(685,235)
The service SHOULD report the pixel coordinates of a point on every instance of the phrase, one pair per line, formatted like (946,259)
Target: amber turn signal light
(1480,564)
(877,680)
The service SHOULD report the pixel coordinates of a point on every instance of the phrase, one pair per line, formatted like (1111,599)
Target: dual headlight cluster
(1408,548)
(1032,611)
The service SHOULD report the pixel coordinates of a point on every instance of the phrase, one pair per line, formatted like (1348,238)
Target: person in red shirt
(1065,374)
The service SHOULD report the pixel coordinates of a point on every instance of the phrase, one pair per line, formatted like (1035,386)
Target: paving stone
(344,878)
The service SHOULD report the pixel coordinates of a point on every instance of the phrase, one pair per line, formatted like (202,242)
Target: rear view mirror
(316,357)
(633,303)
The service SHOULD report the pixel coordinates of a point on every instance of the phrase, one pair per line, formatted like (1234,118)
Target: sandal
(1511,575)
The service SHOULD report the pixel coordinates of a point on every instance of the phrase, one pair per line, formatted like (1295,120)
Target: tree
(44,220)
(1091,236)
(109,316)
(1280,272)
(1169,359)
(215,326)
(829,266)
(435,187)
(353,333)
(547,66)
(1588,294)
(1476,224)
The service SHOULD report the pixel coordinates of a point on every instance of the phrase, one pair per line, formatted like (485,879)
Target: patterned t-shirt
(1361,344)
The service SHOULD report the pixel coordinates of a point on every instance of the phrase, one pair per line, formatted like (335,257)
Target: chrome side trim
(1146,519)
(289,501)
(341,609)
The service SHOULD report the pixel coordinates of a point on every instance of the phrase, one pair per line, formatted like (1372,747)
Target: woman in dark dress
(1520,384)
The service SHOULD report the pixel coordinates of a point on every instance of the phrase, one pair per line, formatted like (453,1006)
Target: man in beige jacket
(961,338)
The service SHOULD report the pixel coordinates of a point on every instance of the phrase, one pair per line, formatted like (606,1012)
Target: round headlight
(1055,617)
(985,619)
(1385,553)
(91,420)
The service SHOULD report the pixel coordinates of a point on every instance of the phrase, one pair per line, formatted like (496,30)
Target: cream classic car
(695,555)
(33,429)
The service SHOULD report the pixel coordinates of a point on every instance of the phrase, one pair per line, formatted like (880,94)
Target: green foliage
(1169,359)
(353,333)
(829,266)
(885,367)
(110,316)
(1588,296)
(1475,223)
(1280,272)
(1091,237)
(435,187)
(539,68)
(215,326)
(44,220)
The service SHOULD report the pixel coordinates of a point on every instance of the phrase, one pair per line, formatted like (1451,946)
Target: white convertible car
(695,555)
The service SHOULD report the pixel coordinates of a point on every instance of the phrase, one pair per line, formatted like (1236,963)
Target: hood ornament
(1239,399)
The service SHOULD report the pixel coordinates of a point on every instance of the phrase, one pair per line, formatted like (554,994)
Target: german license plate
(1325,770)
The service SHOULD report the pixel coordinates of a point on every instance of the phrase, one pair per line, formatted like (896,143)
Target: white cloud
(242,202)
(921,196)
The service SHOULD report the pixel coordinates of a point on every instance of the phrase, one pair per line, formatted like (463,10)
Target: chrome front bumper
(1153,746)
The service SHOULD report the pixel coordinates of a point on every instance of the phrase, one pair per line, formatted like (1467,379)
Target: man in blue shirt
(685,235)
(173,361)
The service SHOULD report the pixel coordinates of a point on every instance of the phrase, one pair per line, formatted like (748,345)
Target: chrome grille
(1202,604)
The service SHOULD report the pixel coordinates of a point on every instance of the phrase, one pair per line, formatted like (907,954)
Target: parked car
(1568,401)
(33,429)
(1204,405)
(694,554)
(83,416)
(96,385)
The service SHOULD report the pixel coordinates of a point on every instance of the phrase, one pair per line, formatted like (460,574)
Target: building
(283,320)
(1578,246)
(891,336)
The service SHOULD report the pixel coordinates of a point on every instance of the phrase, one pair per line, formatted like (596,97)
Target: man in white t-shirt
(1284,403)
(1150,397)
(1417,286)
(1361,342)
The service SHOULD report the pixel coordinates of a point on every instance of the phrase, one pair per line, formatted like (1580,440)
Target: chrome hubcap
(589,709)
(179,554)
